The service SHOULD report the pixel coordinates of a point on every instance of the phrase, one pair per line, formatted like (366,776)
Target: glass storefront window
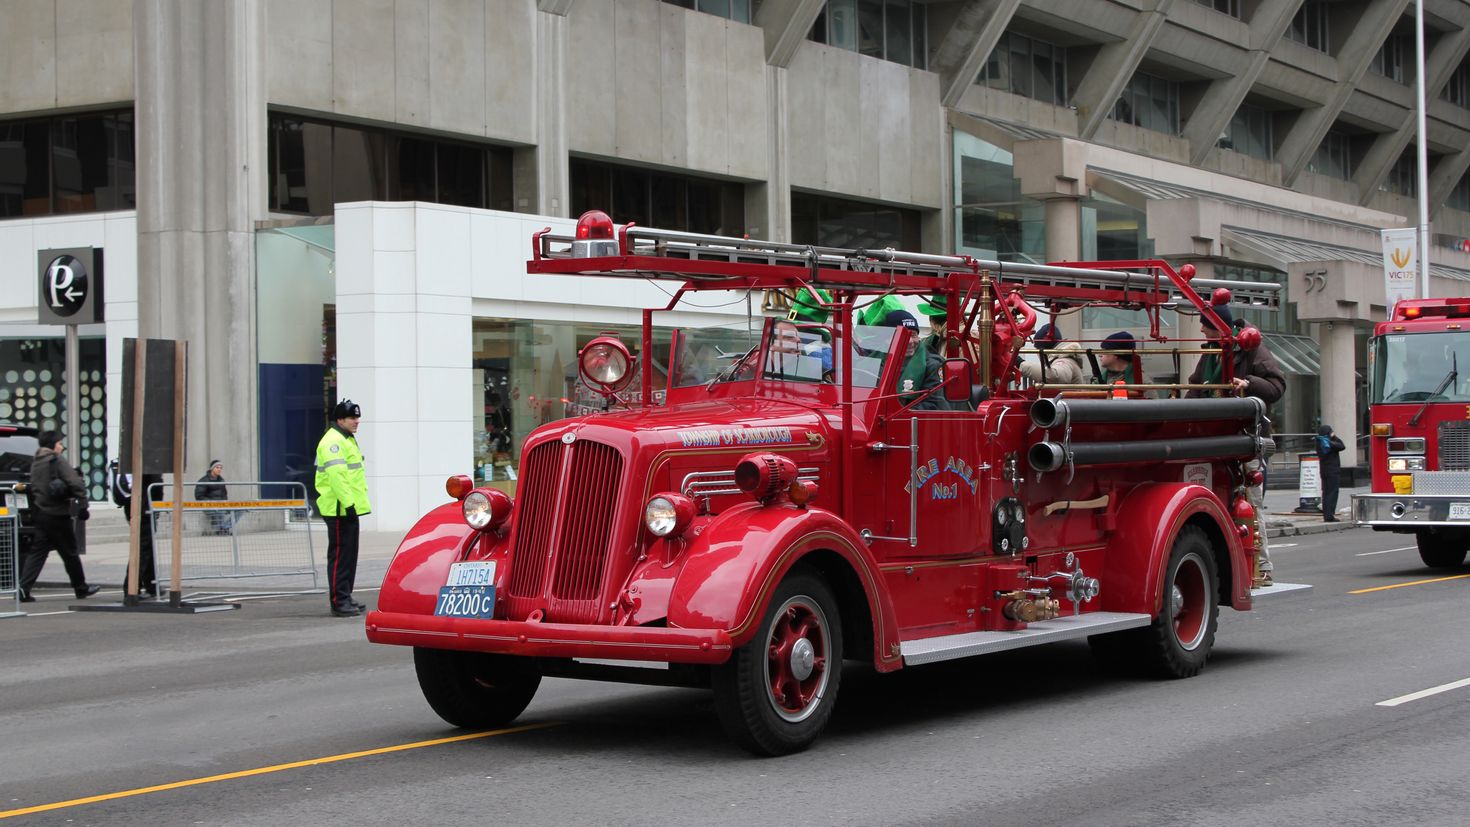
(33,393)
(1112,230)
(67,164)
(992,219)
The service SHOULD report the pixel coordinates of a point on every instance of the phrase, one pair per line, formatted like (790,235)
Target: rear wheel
(475,690)
(776,693)
(1442,549)
(1179,640)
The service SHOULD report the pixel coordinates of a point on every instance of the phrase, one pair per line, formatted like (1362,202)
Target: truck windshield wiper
(1443,383)
(731,370)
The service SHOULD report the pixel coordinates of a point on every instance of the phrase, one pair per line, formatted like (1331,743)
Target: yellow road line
(1414,583)
(330,759)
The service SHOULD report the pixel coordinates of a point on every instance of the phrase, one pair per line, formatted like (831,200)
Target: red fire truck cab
(1420,429)
(809,492)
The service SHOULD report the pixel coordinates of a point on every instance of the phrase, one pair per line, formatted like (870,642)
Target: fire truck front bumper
(1409,512)
(551,640)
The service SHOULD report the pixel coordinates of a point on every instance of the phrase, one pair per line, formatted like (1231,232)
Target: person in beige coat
(1063,359)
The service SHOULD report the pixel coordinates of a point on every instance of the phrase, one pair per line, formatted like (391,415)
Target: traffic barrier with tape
(10,505)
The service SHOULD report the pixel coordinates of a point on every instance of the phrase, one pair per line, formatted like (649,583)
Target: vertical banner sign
(1400,264)
(1309,483)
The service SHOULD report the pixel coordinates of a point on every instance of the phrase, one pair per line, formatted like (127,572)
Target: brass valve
(1029,608)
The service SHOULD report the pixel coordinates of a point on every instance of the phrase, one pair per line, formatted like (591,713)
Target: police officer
(341,489)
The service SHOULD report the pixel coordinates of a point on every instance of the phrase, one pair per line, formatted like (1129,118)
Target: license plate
(1460,511)
(478,573)
(466,601)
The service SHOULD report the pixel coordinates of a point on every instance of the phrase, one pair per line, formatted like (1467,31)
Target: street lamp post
(1423,187)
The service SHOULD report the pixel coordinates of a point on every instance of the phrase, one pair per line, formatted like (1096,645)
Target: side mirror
(957,380)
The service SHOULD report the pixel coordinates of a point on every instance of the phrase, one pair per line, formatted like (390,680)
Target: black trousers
(1330,484)
(146,584)
(53,532)
(341,558)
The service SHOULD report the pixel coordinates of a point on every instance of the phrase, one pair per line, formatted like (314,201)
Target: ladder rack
(708,260)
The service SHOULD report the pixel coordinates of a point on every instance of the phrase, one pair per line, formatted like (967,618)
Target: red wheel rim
(1190,602)
(796,658)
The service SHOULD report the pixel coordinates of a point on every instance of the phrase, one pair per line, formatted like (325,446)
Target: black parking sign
(70,283)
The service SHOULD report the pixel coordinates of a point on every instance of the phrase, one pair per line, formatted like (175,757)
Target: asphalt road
(1284,726)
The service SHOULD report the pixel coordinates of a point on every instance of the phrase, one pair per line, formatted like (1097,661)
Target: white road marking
(1385,551)
(1284,545)
(44,614)
(1424,693)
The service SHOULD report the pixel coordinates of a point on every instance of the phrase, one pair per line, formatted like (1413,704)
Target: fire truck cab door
(933,495)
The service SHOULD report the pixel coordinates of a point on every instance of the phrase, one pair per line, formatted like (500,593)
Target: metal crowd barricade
(10,506)
(246,535)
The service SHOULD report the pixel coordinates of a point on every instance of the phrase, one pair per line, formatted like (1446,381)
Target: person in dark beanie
(1330,465)
(212,486)
(57,495)
(1119,361)
(1058,362)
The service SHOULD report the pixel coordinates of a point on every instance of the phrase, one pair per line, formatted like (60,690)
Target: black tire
(800,636)
(1178,643)
(475,690)
(1442,550)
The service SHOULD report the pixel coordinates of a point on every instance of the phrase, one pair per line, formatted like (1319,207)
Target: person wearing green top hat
(925,366)
(807,308)
(875,312)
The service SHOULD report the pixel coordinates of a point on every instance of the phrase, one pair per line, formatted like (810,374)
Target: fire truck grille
(1454,446)
(589,498)
(540,473)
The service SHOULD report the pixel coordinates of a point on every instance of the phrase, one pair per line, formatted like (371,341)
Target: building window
(67,164)
(33,393)
(837,222)
(657,199)
(1403,176)
(1333,157)
(1230,7)
(1392,57)
(1149,102)
(315,164)
(895,30)
(1249,132)
(1460,196)
(992,220)
(1023,66)
(1457,90)
(1309,26)
(737,10)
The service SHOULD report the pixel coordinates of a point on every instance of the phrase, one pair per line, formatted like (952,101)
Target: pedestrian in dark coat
(1330,464)
(122,496)
(57,496)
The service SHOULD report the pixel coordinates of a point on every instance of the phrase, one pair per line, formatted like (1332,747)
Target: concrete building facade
(1258,139)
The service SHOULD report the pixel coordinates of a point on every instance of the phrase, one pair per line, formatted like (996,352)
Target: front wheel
(475,690)
(1178,642)
(776,693)
(1442,550)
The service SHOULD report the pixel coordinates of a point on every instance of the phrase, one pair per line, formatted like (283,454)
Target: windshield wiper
(1444,383)
(730,371)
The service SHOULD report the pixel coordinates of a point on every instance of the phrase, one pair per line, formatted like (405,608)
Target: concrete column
(768,205)
(553,190)
(1064,243)
(1339,396)
(200,115)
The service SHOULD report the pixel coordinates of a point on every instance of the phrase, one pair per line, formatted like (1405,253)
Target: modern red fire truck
(1420,427)
(786,507)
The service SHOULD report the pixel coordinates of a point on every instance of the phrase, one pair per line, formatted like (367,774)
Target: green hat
(875,313)
(938,305)
(807,307)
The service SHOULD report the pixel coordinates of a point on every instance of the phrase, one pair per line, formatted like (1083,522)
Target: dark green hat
(806,307)
(938,305)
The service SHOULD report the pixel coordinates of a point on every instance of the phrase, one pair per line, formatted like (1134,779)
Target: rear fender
(1151,516)
(421,564)
(732,567)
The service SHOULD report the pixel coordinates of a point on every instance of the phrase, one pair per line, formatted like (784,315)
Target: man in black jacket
(1330,466)
(56,489)
(122,495)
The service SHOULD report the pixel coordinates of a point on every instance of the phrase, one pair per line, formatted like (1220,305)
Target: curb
(1304,528)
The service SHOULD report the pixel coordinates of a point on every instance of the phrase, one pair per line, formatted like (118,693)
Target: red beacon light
(765,476)
(1412,312)
(594,236)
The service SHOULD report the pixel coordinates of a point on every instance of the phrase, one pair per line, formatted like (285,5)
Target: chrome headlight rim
(660,516)
(477,510)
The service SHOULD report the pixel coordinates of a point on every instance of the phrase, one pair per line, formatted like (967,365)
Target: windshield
(793,352)
(1411,367)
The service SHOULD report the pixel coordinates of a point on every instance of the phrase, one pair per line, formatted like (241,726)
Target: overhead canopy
(1284,251)
(1295,354)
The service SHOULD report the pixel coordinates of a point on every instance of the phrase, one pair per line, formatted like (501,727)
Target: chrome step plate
(949,647)
(1278,589)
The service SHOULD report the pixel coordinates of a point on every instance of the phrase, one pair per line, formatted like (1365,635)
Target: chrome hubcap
(803,659)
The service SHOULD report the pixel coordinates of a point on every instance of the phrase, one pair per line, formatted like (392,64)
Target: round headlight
(477,510)
(605,361)
(667,515)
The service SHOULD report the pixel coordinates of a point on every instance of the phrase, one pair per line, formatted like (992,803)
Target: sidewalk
(1281,521)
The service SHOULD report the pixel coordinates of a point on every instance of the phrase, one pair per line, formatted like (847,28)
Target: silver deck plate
(949,647)
(1278,589)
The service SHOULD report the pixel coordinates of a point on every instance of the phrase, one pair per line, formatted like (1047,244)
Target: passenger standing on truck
(924,369)
(1058,362)
(1118,360)
(342,498)
(1328,447)
(58,495)
(1256,374)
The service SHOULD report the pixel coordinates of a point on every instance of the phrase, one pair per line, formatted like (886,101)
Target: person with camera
(57,496)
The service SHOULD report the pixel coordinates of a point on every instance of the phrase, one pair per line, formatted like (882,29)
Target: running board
(1278,589)
(949,647)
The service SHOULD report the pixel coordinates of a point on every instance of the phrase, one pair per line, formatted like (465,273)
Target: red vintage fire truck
(1420,426)
(796,501)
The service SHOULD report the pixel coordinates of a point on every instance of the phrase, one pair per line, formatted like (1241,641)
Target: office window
(1333,157)
(738,10)
(1230,7)
(1249,132)
(1150,102)
(1460,196)
(1309,26)
(315,164)
(895,30)
(1395,53)
(67,164)
(1024,66)
(837,222)
(658,199)
(1457,90)
(1403,176)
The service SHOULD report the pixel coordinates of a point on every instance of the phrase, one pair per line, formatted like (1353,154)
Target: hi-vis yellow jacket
(341,481)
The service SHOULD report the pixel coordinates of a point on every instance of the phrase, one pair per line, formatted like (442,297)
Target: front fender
(732,567)
(1151,517)
(421,564)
